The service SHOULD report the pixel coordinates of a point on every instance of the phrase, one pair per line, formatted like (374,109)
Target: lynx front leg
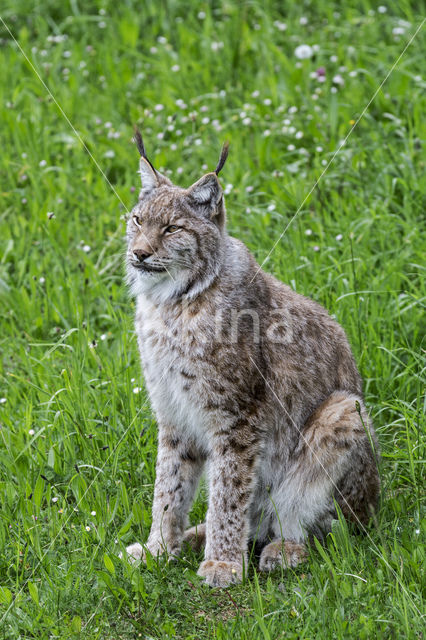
(178,469)
(231,469)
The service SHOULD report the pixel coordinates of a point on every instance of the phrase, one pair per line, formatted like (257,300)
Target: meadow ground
(77,438)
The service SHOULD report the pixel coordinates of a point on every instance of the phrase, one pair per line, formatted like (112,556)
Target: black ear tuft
(138,140)
(222,159)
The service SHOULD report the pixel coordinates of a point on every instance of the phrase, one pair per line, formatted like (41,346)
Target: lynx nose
(141,254)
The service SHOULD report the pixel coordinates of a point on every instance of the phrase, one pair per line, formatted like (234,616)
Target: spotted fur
(248,380)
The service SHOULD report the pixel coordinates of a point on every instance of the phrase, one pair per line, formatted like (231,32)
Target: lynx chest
(173,350)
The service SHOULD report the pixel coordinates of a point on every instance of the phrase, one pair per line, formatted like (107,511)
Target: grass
(77,438)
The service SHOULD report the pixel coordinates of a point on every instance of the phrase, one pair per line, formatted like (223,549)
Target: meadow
(323,104)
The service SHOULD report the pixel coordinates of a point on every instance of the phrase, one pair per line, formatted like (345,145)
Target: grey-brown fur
(248,380)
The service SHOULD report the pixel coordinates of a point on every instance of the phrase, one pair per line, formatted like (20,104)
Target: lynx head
(175,236)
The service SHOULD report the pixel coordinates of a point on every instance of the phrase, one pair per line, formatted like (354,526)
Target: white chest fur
(174,372)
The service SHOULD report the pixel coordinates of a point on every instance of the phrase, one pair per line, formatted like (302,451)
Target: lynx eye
(171,228)
(137,221)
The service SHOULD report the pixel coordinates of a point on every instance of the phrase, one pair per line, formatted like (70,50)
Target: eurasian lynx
(246,378)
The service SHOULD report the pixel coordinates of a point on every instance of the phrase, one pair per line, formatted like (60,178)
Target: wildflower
(42,280)
(255,94)
(316,248)
(50,215)
(86,248)
(159,107)
(338,80)
(201,15)
(42,163)
(333,58)
(228,188)
(215,46)
(175,68)
(281,26)
(290,147)
(60,510)
(87,528)
(102,24)
(333,89)
(308,232)
(303,52)
(93,513)
(109,154)
(318,148)
(292,110)
(31,432)
(162,40)
(299,134)
(55,499)
(250,188)
(267,133)
(247,121)
(398,31)
(271,207)
(205,120)
(67,54)
(339,237)
(303,20)
(24,201)
(136,390)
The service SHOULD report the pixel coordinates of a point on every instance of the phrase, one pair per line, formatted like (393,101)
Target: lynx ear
(206,192)
(149,176)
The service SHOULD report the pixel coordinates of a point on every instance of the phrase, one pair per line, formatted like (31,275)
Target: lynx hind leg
(282,553)
(196,536)
(333,461)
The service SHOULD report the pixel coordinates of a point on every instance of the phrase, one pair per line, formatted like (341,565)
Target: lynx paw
(220,573)
(282,554)
(135,553)
(196,536)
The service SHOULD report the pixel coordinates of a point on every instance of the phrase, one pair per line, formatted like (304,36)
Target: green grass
(77,443)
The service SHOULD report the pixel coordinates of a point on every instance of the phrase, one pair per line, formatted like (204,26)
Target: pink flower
(320,72)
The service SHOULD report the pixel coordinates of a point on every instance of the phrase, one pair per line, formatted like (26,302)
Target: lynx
(248,380)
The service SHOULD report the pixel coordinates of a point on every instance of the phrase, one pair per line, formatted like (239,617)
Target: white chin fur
(159,287)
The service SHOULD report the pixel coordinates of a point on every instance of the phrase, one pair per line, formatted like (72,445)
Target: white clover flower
(281,26)
(160,135)
(267,101)
(298,135)
(308,232)
(337,79)
(316,248)
(55,499)
(201,15)
(153,50)
(179,170)
(205,120)
(303,20)
(215,46)
(102,24)
(93,513)
(333,89)
(86,248)
(398,31)
(175,68)
(318,148)
(159,107)
(247,121)
(67,54)
(3,400)
(255,94)
(303,52)
(31,432)
(198,142)
(292,110)
(339,237)
(103,336)
(267,133)
(161,39)
(250,188)
(290,147)
(271,207)
(42,163)
(333,58)
(42,280)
